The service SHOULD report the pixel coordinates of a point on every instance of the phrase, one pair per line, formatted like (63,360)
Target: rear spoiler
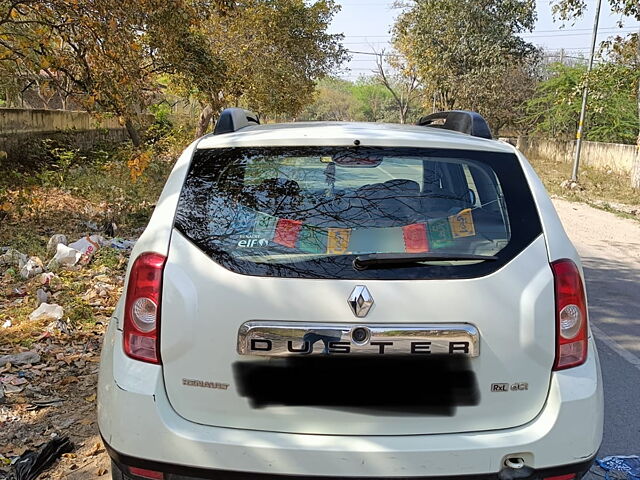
(233,119)
(465,121)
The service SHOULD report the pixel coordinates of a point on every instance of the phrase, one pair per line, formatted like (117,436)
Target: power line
(567,31)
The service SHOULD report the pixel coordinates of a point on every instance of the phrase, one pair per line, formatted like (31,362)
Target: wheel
(116,473)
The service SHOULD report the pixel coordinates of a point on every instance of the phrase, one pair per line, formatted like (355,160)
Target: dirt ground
(596,231)
(55,395)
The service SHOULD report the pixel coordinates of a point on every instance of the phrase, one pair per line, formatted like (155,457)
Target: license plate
(286,339)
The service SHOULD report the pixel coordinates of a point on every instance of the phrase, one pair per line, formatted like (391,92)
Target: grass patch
(599,187)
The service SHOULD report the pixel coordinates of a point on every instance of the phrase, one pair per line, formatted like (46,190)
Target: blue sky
(366,25)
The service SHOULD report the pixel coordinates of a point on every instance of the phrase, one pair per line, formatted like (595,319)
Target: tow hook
(515,469)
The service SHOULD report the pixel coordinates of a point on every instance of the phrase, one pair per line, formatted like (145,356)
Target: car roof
(346,133)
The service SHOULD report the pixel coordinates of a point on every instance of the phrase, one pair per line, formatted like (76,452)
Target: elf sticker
(462,224)
(338,240)
(415,238)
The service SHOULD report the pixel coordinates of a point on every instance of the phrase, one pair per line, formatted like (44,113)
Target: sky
(366,25)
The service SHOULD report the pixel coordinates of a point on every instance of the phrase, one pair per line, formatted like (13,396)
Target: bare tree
(402,82)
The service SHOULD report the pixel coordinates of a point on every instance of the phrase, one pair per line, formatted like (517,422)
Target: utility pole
(585,93)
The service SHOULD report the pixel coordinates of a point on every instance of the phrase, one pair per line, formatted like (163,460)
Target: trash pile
(53,313)
(626,467)
(65,256)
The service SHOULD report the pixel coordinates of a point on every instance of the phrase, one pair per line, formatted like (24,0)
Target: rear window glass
(309,212)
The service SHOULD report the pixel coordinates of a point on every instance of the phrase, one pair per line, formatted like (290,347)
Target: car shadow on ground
(614,299)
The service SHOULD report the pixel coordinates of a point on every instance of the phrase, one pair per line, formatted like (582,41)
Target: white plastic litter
(47,310)
(87,246)
(13,258)
(46,278)
(32,268)
(52,245)
(122,243)
(66,255)
(6,324)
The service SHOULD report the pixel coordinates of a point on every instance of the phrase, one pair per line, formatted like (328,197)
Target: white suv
(352,300)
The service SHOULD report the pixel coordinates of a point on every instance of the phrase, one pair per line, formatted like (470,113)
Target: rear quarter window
(309,212)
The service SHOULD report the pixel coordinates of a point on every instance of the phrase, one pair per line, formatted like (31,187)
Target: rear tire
(116,473)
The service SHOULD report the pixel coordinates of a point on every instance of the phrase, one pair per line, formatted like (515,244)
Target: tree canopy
(467,52)
(109,54)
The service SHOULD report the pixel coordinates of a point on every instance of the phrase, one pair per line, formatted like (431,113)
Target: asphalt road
(610,251)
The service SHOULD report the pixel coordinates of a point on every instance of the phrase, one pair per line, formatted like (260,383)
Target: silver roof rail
(233,119)
(464,121)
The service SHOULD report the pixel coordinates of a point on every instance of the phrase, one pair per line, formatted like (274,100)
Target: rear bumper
(178,472)
(141,429)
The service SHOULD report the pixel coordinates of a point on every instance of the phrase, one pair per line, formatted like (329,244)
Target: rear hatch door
(263,249)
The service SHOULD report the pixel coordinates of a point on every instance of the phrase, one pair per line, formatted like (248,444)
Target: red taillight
(568,476)
(571,315)
(142,308)
(144,473)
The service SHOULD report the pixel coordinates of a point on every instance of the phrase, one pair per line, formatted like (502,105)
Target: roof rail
(233,119)
(463,121)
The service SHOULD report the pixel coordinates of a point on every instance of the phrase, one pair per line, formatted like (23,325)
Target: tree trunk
(635,171)
(204,121)
(133,133)
(403,114)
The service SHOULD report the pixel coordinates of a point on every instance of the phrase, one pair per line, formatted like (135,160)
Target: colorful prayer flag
(244,219)
(312,239)
(338,240)
(287,232)
(264,226)
(415,238)
(462,224)
(440,235)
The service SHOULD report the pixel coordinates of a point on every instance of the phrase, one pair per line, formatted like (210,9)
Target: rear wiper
(362,262)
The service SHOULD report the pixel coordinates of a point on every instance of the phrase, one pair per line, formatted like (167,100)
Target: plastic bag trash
(7,323)
(32,463)
(122,244)
(47,310)
(41,297)
(13,258)
(628,464)
(22,358)
(51,280)
(52,244)
(58,326)
(87,246)
(32,268)
(65,256)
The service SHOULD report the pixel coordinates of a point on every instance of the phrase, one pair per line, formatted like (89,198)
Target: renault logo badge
(360,301)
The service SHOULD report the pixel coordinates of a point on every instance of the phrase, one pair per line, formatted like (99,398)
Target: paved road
(610,251)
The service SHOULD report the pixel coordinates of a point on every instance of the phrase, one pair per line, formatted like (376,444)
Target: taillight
(142,308)
(571,315)
(145,473)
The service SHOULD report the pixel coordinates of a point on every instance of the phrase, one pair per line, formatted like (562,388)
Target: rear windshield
(309,212)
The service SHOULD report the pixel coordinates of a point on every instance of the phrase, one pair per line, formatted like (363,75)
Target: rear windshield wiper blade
(362,262)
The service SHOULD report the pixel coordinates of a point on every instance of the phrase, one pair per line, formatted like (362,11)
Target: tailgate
(206,306)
